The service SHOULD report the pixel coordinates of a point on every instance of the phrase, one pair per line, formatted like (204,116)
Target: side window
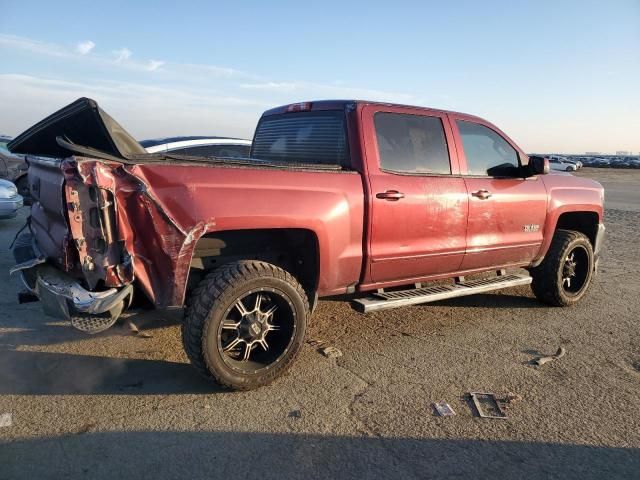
(411,143)
(487,152)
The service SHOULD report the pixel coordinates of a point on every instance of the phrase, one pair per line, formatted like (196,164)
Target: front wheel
(564,275)
(245,324)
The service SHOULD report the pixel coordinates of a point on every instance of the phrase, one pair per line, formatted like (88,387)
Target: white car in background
(10,200)
(200,146)
(556,162)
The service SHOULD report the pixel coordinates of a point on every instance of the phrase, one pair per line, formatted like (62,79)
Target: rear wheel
(564,275)
(245,324)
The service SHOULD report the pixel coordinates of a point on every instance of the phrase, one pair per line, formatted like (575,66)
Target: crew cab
(368,199)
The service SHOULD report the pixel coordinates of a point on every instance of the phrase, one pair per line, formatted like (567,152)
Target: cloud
(122,55)
(154,65)
(15,42)
(84,48)
(146,111)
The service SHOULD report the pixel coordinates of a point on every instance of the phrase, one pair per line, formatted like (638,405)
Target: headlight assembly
(8,191)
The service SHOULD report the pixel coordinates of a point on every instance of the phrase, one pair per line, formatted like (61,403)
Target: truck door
(506,211)
(418,202)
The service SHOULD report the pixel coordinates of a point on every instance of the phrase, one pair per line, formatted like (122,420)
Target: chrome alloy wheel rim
(575,270)
(257,330)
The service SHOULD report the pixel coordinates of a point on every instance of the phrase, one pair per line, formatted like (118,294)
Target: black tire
(569,169)
(550,277)
(208,316)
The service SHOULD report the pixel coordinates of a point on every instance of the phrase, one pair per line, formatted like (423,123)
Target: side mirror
(538,165)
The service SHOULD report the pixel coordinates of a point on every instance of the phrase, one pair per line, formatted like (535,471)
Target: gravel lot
(117,405)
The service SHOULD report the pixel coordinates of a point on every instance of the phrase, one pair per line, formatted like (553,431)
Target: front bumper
(9,206)
(62,296)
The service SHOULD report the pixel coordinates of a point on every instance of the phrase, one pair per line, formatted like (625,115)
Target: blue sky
(559,76)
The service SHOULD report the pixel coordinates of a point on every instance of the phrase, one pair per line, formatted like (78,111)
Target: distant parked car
(200,146)
(10,199)
(13,167)
(577,163)
(556,163)
(564,159)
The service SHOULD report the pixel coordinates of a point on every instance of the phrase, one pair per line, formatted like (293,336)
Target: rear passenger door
(507,212)
(418,203)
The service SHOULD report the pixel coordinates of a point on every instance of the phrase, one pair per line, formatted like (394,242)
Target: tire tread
(544,284)
(202,301)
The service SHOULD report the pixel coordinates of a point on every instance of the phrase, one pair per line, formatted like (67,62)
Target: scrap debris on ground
(487,405)
(330,352)
(327,351)
(443,409)
(6,420)
(136,331)
(542,360)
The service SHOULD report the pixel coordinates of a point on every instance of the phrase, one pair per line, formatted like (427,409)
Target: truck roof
(316,105)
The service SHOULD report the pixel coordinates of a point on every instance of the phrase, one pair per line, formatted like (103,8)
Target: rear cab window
(312,138)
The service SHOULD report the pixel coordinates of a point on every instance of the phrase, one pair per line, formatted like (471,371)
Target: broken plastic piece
(487,405)
(542,360)
(136,331)
(6,420)
(443,409)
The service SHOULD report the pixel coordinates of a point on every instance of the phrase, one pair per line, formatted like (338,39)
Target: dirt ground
(117,405)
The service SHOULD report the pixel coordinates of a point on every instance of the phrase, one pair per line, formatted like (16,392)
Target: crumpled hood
(83,124)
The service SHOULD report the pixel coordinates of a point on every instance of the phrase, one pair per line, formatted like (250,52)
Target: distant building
(592,153)
(623,152)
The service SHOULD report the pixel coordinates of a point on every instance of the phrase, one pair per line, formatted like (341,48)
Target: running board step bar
(401,298)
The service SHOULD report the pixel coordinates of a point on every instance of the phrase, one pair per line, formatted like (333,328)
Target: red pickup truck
(337,197)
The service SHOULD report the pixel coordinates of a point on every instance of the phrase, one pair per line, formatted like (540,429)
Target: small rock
(330,352)
(207,407)
(295,414)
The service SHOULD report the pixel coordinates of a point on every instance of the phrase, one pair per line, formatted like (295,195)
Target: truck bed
(111,223)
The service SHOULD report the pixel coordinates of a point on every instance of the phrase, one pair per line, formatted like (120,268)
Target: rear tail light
(299,107)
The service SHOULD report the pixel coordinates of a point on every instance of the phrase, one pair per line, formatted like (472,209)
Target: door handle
(482,194)
(391,195)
